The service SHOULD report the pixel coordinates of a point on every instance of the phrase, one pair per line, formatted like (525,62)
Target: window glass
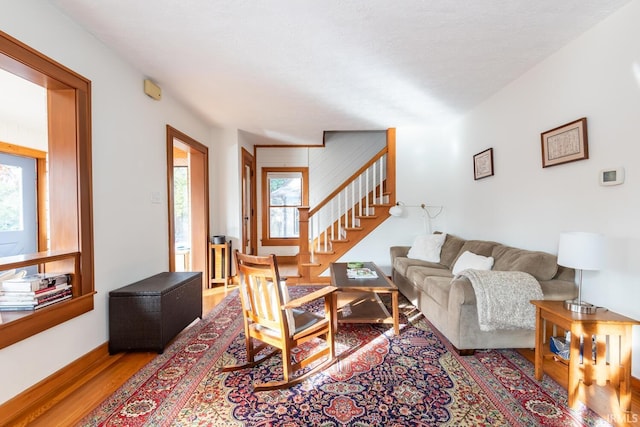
(10,198)
(285,195)
(181,207)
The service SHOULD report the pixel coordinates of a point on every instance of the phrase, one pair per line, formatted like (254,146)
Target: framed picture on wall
(566,143)
(483,164)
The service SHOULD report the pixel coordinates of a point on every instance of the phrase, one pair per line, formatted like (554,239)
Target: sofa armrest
(398,251)
(461,293)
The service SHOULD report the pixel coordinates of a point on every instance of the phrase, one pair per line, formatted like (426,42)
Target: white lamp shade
(581,250)
(395,210)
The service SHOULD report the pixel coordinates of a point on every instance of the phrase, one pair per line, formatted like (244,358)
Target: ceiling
(286,70)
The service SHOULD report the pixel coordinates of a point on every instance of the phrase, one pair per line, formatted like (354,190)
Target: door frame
(199,202)
(250,232)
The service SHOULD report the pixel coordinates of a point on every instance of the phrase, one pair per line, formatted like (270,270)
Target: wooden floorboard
(106,377)
(100,382)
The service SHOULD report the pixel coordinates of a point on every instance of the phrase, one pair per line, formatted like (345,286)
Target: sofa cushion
(401,264)
(559,290)
(478,247)
(541,265)
(438,289)
(417,275)
(427,247)
(565,273)
(450,249)
(469,260)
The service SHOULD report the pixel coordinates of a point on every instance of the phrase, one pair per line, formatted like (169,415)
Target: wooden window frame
(70,190)
(291,241)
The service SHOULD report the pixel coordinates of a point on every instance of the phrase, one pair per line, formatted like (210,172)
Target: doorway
(188,200)
(249,200)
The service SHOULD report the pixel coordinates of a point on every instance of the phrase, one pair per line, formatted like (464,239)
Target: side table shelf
(219,263)
(609,363)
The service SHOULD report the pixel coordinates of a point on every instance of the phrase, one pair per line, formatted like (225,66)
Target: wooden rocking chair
(272,319)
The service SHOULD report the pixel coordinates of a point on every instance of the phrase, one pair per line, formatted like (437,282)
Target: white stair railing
(356,199)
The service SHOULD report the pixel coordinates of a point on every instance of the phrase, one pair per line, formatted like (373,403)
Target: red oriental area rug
(413,379)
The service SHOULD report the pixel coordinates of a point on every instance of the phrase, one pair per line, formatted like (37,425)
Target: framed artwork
(564,144)
(483,164)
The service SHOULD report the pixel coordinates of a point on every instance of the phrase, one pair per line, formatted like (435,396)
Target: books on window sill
(361,273)
(12,300)
(32,292)
(34,282)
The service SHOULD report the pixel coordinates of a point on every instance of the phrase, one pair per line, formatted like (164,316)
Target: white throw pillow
(469,260)
(427,247)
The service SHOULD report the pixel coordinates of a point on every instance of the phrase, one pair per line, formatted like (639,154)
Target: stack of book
(34,291)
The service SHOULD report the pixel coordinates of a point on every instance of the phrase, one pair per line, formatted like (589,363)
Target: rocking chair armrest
(327,290)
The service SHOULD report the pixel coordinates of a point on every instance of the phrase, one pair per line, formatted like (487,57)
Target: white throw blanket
(503,298)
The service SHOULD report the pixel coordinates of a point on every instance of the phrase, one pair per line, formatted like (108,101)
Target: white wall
(225,173)
(524,205)
(129,164)
(344,152)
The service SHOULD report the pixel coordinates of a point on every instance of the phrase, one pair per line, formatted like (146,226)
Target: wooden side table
(611,333)
(219,263)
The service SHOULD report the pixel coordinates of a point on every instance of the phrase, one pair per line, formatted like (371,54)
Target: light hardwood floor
(104,379)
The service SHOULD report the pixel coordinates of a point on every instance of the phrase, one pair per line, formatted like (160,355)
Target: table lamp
(581,251)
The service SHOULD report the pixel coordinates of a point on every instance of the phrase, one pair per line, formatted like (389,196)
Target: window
(284,190)
(65,229)
(11,218)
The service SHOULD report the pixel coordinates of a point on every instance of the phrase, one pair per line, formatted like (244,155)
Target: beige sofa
(450,303)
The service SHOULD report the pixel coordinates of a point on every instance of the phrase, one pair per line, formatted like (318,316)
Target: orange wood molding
(32,402)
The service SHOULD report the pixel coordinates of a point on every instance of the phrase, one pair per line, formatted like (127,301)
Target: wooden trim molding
(29,404)
(70,187)
(17,150)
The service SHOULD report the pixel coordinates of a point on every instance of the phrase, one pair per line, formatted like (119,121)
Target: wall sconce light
(398,209)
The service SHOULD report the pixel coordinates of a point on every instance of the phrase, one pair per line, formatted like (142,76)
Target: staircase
(347,215)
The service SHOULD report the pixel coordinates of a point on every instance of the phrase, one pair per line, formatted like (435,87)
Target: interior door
(188,190)
(249,220)
(18,208)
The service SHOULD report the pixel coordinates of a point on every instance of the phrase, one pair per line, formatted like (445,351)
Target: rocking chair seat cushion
(301,319)
(304,320)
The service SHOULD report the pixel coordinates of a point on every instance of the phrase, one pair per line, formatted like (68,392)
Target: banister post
(391,165)
(303,253)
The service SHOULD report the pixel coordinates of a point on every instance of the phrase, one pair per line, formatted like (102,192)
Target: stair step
(353,228)
(340,241)
(311,264)
(367,217)
(324,252)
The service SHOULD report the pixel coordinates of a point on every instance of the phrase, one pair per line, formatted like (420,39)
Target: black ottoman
(146,315)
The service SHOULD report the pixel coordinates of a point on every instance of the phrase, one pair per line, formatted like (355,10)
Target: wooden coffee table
(358,300)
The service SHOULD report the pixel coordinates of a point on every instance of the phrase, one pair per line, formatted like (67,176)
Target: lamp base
(579,306)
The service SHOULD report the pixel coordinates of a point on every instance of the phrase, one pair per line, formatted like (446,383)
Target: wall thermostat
(612,176)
